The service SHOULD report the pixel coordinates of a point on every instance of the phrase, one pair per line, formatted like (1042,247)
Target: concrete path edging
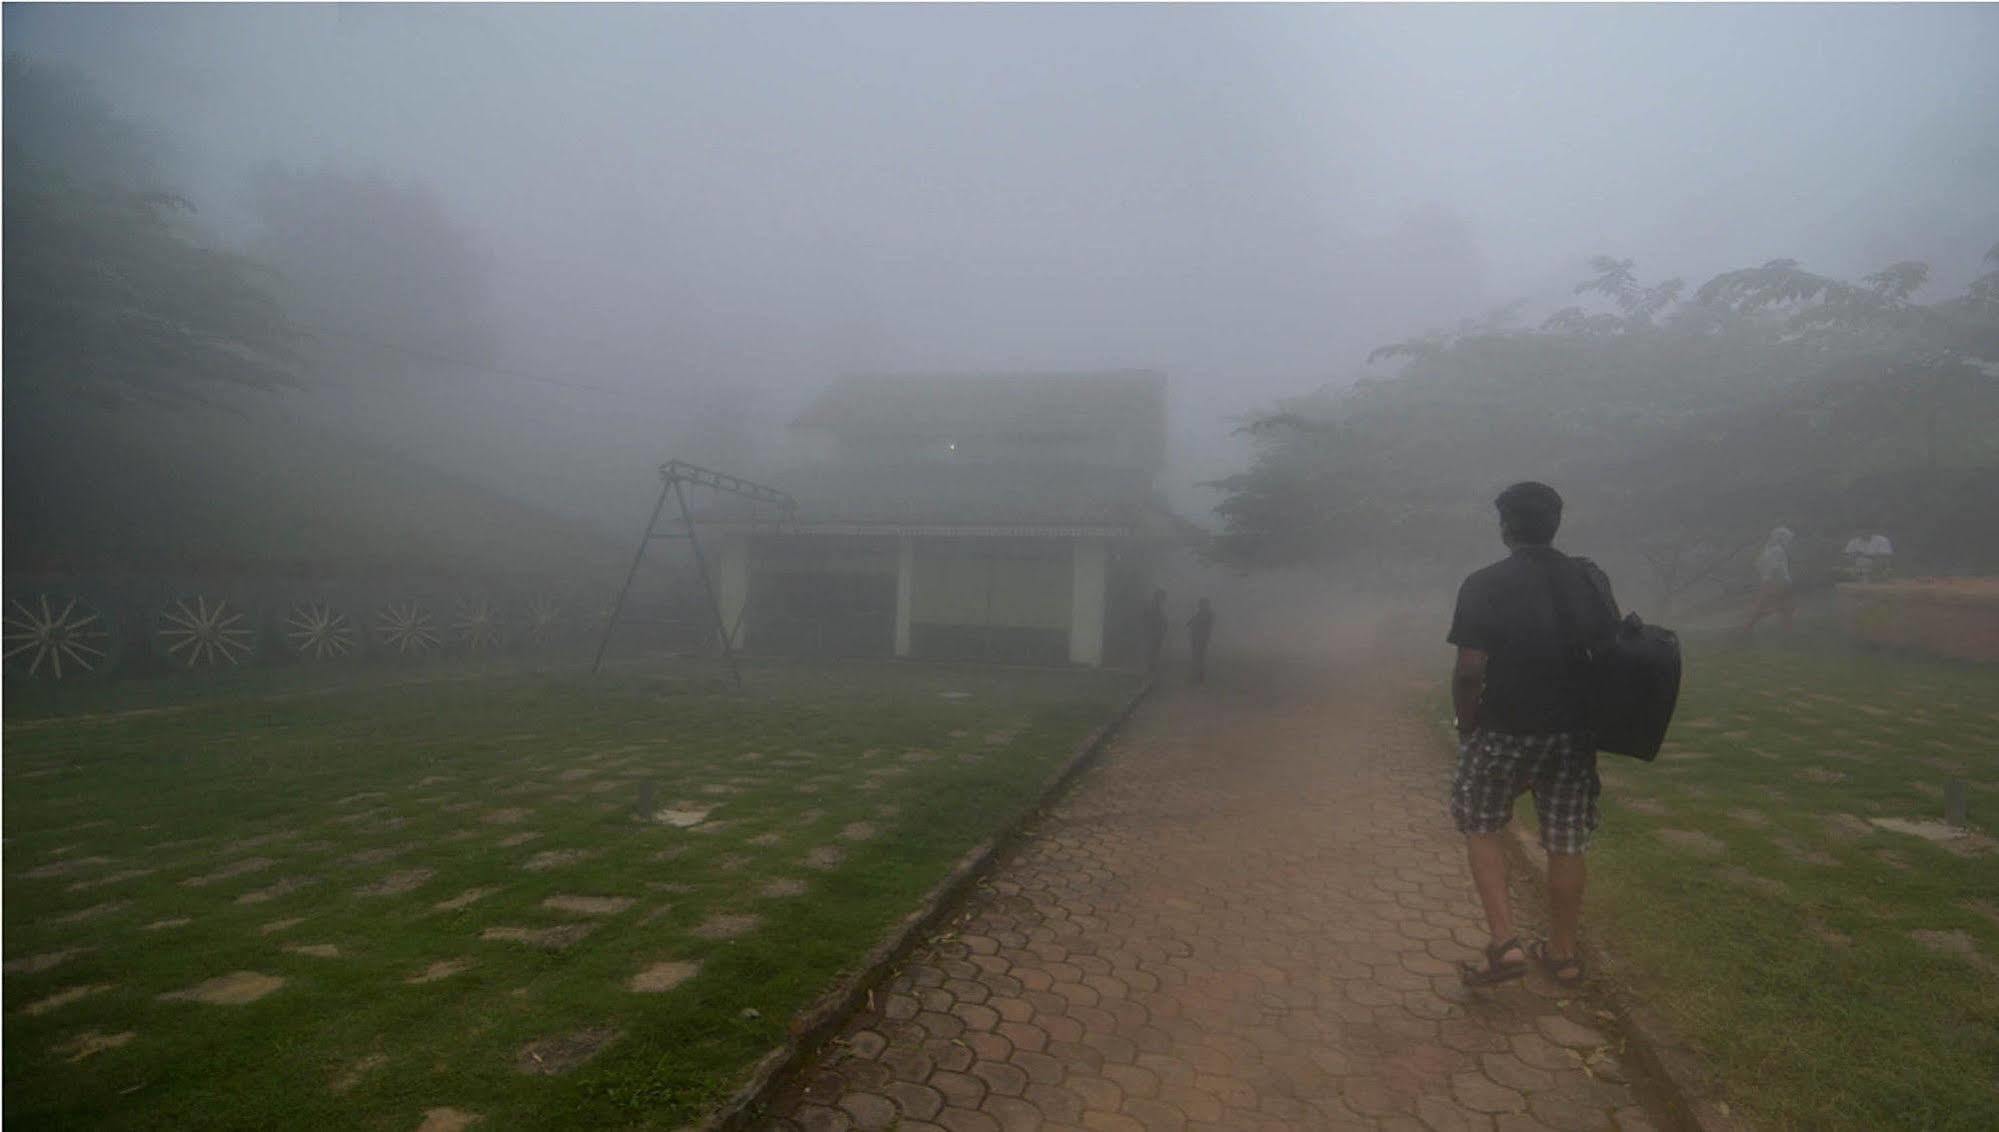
(1688,1087)
(823,1019)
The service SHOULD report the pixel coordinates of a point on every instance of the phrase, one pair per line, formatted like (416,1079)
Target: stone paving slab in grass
(1796,886)
(1248,918)
(402,909)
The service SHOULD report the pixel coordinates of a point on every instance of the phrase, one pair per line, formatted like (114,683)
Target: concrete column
(905,581)
(732,587)
(1086,602)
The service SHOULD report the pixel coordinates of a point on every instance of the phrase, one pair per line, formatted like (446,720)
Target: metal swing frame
(675,477)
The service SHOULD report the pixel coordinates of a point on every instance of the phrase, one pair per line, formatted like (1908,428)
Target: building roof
(1076,404)
(935,494)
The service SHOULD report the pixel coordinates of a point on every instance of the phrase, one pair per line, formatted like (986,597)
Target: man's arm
(1467,683)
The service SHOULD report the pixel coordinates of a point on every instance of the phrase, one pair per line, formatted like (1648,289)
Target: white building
(1002,518)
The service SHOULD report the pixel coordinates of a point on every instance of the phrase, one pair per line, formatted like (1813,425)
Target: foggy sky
(1246,198)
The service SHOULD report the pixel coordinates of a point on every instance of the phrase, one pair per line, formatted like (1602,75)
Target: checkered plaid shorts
(1494,767)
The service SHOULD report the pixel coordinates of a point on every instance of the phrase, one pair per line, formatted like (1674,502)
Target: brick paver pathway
(1247,918)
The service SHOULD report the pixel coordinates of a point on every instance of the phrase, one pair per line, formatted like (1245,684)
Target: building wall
(1037,601)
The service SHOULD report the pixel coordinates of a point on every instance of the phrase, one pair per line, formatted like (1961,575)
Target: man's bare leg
(1487,854)
(1565,902)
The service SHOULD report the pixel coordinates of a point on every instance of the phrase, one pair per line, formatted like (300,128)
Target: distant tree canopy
(109,294)
(1682,426)
(390,284)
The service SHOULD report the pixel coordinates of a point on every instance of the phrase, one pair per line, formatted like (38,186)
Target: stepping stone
(230,872)
(779,889)
(36,964)
(276,926)
(356,1071)
(284,887)
(395,884)
(825,858)
(1694,841)
(94,912)
(93,1042)
(547,939)
(661,977)
(114,878)
(549,1057)
(1954,942)
(858,831)
(447,1120)
(726,926)
(588,905)
(442,969)
(1765,885)
(1927,830)
(555,859)
(62,998)
(317,950)
(238,988)
(518,839)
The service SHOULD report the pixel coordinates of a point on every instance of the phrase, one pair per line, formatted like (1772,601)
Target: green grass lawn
(1835,973)
(444,895)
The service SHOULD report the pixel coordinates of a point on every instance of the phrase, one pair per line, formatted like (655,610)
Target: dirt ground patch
(782,887)
(238,988)
(825,858)
(858,831)
(549,1057)
(662,977)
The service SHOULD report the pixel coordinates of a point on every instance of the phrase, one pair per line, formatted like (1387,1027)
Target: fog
(707,213)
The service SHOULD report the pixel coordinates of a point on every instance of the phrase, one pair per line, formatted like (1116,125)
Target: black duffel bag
(1630,678)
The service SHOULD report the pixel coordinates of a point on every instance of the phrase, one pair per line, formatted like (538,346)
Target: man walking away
(1155,630)
(1521,717)
(1773,576)
(1200,628)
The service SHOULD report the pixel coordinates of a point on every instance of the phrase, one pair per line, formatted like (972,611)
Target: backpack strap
(1565,618)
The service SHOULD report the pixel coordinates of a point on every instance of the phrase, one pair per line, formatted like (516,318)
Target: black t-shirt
(1506,611)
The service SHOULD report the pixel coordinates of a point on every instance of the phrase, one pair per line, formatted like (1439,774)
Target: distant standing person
(1155,630)
(1773,581)
(1200,628)
(1520,717)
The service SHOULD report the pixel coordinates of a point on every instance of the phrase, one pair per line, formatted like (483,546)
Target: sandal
(1565,972)
(1498,969)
